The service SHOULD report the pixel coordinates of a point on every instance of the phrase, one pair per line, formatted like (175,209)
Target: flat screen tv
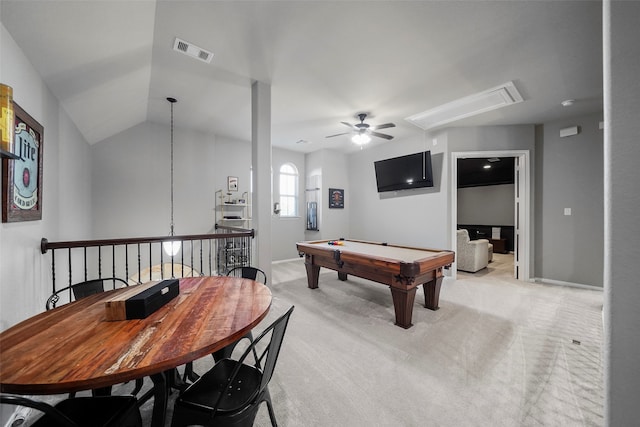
(404,172)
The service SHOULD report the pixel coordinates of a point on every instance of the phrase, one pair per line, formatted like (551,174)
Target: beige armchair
(471,255)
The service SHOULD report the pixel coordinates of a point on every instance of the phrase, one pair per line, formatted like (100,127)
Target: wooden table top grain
(74,347)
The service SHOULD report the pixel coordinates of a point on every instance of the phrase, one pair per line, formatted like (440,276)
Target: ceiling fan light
(361,139)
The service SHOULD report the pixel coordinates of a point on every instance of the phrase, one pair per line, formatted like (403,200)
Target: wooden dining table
(73,347)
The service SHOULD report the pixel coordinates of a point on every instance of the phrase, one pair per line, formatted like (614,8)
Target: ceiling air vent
(192,50)
(490,99)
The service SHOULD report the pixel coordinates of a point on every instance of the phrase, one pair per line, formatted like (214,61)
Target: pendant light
(172,247)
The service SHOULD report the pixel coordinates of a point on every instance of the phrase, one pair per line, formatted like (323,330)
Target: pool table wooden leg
(313,271)
(403,304)
(432,293)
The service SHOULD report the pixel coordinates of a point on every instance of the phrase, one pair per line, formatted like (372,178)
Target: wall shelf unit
(233,212)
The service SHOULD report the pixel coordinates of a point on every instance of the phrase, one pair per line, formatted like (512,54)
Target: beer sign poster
(22,178)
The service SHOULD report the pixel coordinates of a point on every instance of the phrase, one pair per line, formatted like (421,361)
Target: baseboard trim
(569,284)
(280,261)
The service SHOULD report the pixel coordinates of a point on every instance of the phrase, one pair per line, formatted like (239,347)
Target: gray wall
(622,204)
(570,170)
(486,205)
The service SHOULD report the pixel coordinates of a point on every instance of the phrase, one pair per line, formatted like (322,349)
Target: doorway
(521,206)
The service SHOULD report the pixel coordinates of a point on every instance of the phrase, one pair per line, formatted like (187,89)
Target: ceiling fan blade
(384,126)
(338,134)
(348,124)
(381,135)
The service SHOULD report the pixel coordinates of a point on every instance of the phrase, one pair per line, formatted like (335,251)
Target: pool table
(403,268)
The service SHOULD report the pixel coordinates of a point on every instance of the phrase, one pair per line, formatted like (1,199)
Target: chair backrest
(167,270)
(267,356)
(83,289)
(54,415)
(272,351)
(463,235)
(252,273)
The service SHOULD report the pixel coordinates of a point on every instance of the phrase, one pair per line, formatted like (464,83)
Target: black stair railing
(132,258)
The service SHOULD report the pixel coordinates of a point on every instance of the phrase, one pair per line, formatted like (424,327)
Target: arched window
(288,190)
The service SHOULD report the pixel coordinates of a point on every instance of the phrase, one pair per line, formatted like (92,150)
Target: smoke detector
(192,50)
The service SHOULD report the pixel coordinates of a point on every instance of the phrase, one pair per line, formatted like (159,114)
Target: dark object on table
(142,300)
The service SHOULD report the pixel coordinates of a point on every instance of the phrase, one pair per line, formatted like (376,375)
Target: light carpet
(498,352)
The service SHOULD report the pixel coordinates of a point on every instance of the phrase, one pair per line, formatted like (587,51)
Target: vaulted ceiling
(112,63)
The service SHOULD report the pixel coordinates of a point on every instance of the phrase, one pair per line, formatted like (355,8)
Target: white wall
(622,204)
(132,191)
(335,221)
(287,231)
(25,278)
(313,180)
(25,281)
(331,168)
(486,205)
(131,182)
(232,158)
(409,217)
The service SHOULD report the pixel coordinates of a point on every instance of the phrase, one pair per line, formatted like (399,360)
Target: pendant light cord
(172,101)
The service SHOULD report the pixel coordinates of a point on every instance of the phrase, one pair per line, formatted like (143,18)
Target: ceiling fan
(362,130)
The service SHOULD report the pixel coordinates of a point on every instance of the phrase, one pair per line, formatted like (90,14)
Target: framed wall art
(336,198)
(232,183)
(22,178)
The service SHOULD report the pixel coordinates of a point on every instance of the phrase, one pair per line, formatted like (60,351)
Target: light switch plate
(567,211)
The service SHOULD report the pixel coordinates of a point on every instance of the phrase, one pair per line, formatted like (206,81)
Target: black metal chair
(230,393)
(82,290)
(103,411)
(252,273)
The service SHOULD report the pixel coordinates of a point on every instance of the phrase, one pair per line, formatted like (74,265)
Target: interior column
(261,166)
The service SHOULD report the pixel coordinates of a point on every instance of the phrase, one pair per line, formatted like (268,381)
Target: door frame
(522,213)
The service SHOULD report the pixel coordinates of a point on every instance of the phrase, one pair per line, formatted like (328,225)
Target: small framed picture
(232,183)
(336,198)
